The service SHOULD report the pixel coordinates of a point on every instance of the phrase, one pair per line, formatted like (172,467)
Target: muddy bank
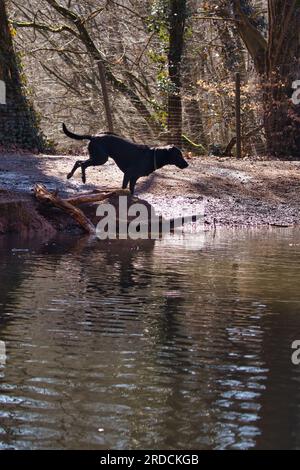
(19,214)
(235,193)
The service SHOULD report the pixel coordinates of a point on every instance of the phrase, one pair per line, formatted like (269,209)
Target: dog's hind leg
(75,167)
(98,156)
(84,166)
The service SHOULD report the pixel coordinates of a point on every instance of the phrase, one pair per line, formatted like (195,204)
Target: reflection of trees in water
(199,325)
(225,305)
(280,416)
(189,299)
(13,270)
(122,261)
(76,270)
(269,277)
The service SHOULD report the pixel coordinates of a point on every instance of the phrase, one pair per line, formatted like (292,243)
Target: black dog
(133,159)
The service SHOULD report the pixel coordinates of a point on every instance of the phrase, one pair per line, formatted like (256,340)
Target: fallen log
(45,196)
(92,197)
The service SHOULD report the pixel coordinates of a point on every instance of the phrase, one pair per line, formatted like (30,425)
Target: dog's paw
(69,175)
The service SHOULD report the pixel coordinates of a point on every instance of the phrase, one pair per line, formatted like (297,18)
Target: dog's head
(175,157)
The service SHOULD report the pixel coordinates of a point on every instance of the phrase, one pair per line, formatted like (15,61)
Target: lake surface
(181,343)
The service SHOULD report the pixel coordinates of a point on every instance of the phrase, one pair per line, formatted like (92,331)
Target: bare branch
(43,27)
(253,39)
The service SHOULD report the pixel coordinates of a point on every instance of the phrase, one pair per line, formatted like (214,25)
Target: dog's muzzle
(183,164)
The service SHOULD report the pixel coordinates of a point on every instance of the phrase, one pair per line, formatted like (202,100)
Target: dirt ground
(234,193)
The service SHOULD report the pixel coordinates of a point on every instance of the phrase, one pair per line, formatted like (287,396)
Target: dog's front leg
(125,180)
(132,184)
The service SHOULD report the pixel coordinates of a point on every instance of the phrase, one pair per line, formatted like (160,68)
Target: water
(172,344)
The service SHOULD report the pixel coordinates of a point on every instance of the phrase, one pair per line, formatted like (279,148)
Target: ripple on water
(157,347)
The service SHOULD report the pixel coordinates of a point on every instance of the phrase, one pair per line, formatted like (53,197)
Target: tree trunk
(176,41)
(277,63)
(281,116)
(18,125)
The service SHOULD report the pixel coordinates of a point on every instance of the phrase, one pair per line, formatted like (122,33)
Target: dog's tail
(75,136)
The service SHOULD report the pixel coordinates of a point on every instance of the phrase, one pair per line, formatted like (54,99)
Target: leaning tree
(277,62)
(18,126)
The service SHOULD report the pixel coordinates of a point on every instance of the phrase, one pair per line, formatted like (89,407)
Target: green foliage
(160,114)
(157,58)
(193,145)
(158,22)
(19,59)
(159,18)
(165,85)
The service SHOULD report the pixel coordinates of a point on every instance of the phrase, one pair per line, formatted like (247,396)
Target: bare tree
(177,19)
(277,62)
(75,28)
